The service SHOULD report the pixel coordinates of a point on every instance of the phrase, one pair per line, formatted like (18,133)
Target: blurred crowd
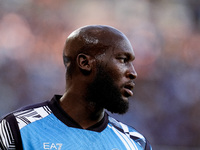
(165,35)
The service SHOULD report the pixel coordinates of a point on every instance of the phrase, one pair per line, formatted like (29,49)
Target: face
(113,83)
(121,65)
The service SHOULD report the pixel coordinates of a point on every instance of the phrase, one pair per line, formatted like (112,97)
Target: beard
(103,93)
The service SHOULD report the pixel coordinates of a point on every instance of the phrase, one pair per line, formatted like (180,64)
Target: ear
(84,62)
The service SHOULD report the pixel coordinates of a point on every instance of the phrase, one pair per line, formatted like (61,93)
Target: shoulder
(130,132)
(11,124)
(31,113)
(126,128)
(22,109)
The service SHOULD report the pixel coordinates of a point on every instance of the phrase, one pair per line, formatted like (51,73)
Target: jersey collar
(67,120)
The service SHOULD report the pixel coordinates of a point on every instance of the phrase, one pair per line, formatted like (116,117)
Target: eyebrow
(128,55)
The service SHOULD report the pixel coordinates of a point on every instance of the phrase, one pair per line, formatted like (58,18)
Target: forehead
(123,46)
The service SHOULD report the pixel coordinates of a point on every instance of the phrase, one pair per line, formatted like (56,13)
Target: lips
(128,89)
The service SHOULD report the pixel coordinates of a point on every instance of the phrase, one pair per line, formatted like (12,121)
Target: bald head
(91,40)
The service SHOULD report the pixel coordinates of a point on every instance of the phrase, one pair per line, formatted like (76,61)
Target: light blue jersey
(47,127)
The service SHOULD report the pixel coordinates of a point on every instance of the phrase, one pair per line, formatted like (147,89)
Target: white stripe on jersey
(128,143)
(28,116)
(136,134)
(128,133)
(6,138)
(125,128)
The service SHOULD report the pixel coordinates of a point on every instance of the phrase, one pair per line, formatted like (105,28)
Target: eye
(123,59)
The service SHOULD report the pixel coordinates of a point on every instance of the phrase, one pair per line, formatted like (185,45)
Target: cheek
(115,70)
(116,73)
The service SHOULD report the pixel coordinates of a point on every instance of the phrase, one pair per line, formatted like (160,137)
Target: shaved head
(92,40)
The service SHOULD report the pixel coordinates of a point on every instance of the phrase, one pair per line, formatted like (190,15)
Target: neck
(83,112)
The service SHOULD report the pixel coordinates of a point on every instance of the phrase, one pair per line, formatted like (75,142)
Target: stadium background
(165,35)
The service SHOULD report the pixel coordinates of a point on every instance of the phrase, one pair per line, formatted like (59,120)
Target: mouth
(128,89)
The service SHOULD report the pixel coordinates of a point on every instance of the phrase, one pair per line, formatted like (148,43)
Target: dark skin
(85,48)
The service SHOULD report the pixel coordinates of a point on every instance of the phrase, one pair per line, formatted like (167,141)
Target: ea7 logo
(52,146)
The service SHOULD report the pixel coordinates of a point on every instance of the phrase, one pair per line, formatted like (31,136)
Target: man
(99,75)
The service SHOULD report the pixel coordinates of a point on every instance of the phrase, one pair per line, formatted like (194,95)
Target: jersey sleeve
(10,138)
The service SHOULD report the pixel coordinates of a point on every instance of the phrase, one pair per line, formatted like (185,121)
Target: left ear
(84,62)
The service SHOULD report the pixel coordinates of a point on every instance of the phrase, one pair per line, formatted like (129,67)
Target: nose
(131,73)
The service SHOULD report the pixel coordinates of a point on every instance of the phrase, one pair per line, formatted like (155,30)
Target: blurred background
(165,35)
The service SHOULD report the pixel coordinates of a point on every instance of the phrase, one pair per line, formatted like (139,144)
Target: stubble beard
(103,93)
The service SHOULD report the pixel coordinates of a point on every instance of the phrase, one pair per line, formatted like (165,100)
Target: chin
(120,107)
(125,98)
